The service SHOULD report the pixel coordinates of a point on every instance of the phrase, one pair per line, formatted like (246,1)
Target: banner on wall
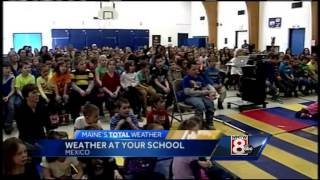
(156,40)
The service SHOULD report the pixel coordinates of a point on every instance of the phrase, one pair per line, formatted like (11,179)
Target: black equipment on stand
(253,83)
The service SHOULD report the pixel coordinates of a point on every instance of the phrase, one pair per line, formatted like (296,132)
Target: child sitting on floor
(310,112)
(158,114)
(90,117)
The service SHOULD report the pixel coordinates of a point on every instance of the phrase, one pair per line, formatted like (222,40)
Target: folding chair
(178,105)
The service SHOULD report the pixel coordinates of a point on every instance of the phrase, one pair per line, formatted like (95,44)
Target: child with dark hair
(15,163)
(31,116)
(111,86)
(7,97)
(305,81)
(14,64)
(21,80)
(144,87)
(46,89)
(159,74)
(82,82)
(199,94)
(158,114)
(129,83)
(90,117)
(212,75)
(35,67)
(286,74)
(61,80)
(124,119)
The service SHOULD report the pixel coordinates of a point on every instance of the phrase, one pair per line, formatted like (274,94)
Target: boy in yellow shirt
(23,79)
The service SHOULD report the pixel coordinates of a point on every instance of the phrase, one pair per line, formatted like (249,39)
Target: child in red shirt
(158,114)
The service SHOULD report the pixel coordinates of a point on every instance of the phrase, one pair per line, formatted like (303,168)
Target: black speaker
(253,82)
(315,49)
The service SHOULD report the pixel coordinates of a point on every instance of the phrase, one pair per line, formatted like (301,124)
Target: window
(27,39)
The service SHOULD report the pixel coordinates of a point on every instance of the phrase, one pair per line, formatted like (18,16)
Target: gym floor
(288,154)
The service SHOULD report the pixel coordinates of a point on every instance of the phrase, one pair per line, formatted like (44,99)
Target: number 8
(236,146)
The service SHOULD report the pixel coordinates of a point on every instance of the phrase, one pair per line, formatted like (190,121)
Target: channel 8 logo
(240,145)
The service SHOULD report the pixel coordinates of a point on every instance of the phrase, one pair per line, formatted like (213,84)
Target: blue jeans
(8,112)
(202,104)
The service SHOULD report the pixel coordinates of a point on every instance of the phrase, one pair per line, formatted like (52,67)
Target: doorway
(296,40)
(182,39)
(240,37)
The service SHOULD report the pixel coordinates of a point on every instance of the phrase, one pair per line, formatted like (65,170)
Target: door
(296,40)
(182,39)
(240,37)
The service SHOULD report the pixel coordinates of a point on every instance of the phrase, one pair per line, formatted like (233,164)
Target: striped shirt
(116,118)
(82,79)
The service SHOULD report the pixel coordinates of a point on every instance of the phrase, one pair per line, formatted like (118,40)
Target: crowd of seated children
(69,78)
(70,75)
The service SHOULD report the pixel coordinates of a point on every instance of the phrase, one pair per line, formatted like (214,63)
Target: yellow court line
(299,141)
(312,130)
(241,168)
(296,163)
(290,138)
(294,107)
(245,170)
